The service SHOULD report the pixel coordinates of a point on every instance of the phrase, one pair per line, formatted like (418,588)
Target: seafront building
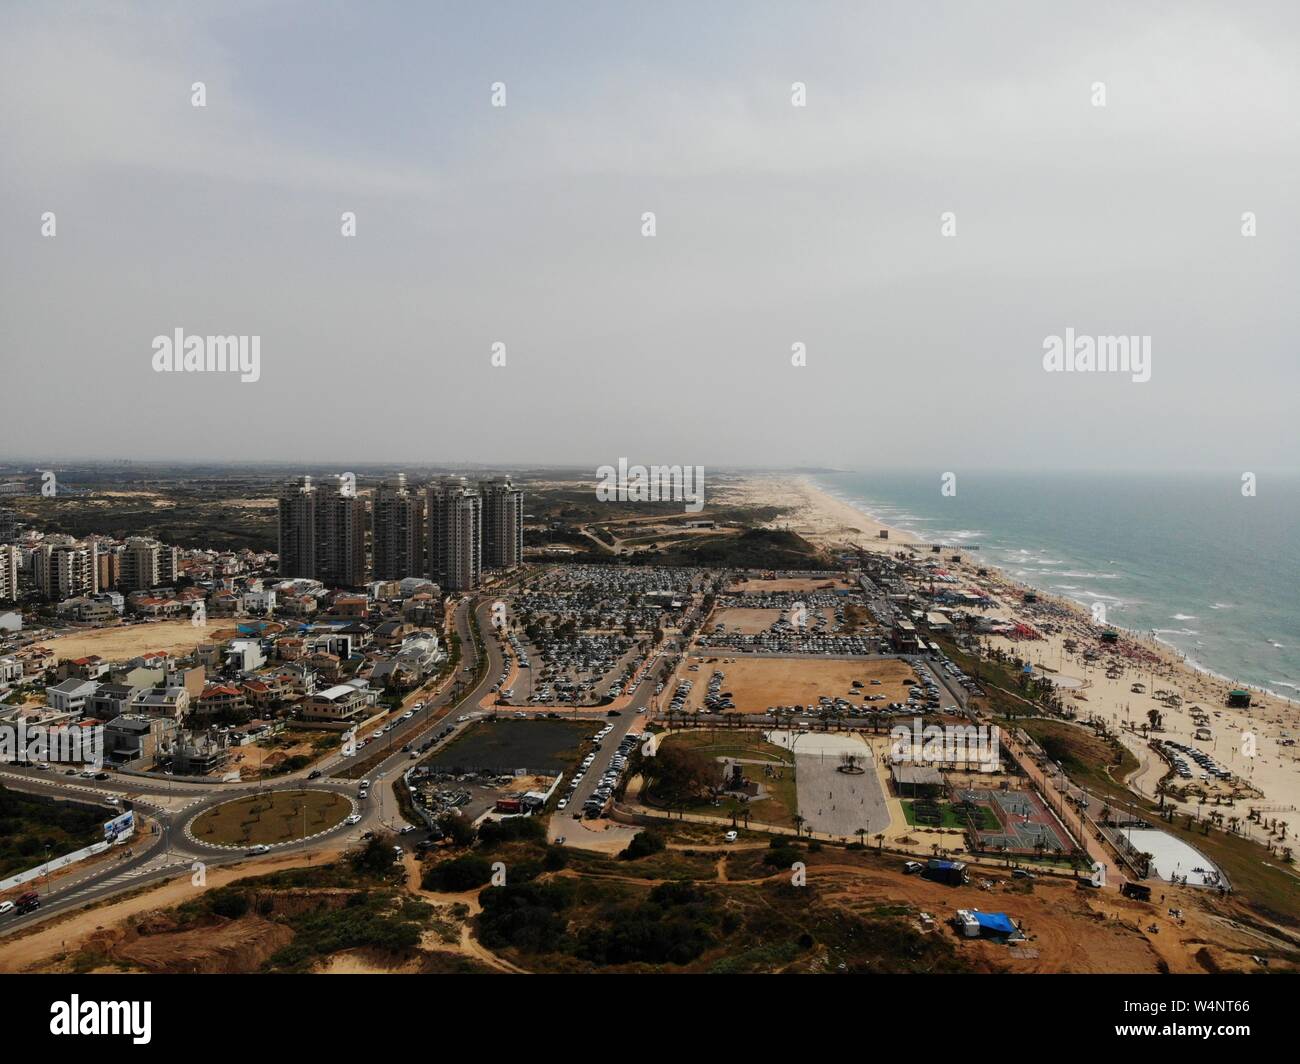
(455,530)
(503,523)
(397,530)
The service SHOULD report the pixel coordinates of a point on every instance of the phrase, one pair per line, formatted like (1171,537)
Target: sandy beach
(1097,681)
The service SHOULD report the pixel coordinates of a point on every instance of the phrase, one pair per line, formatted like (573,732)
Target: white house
(70,696)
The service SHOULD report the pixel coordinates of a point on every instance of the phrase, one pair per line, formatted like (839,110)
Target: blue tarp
(998,923)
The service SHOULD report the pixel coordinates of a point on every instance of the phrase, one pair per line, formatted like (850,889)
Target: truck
(29,901)
(1138,891)
(951,872)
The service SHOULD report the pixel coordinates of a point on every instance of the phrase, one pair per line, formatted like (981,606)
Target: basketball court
(1023,821)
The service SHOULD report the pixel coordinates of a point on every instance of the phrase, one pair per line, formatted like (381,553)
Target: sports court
(1023,821)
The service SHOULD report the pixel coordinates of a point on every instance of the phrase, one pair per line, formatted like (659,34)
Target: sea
(1184,557)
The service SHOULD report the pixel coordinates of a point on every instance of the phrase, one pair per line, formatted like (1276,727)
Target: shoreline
(841,508)
(1100,686)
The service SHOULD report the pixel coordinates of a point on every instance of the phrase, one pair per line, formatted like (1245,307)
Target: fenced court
(1024,825)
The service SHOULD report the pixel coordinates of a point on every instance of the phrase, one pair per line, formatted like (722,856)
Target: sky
(775,225)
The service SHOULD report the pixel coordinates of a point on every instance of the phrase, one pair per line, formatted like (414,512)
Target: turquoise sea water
(1184,556)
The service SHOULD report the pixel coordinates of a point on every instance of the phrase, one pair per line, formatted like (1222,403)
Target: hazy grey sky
(775,225)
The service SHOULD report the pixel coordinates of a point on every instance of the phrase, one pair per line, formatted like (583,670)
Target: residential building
(397,526)
(221,698)
(455,522)
(129,738)
(11,673)
(86,610)
(298,529)
(64,568)
(110,700)
(196,755)
(91,667)
(9,565)
(170,702)
(245,655)
(110,568)
(503,523)
(341,539)
(112,599)
(71,695)
(139,570)
(339,704)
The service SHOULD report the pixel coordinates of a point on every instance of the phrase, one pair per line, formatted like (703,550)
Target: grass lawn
(267,819)
(724,742)
(1098,764)
(780,805)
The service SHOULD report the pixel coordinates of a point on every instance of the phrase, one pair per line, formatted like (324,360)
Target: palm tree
(798,824)
(880,842)
(860,833)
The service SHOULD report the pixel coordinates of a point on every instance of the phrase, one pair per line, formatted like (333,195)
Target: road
(168,803)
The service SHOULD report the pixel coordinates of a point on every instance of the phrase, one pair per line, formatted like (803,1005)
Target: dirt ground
(792,584)
(119,644)
(254,757)
(1071,930)
(48,945)
(756,684)
(749,622)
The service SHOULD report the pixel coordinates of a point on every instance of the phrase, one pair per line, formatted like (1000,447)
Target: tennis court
(1024,824)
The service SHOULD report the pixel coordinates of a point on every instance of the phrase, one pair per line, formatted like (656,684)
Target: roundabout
(270,818)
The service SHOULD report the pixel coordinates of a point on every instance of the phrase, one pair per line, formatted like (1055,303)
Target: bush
(229,903)
(492,832)
(643,844)
(782,858)
(457,829)
(458,874)
(376,857)
(525,916)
